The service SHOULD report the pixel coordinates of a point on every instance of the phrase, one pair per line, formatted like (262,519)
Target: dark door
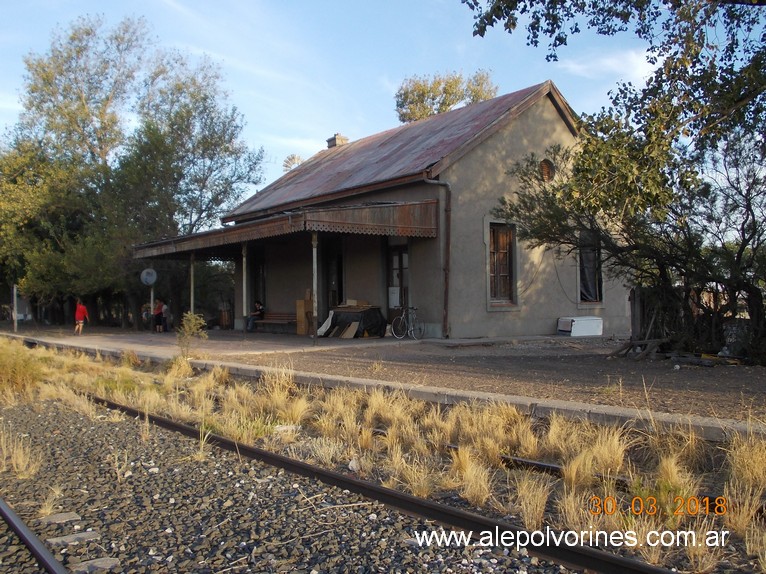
(398,280)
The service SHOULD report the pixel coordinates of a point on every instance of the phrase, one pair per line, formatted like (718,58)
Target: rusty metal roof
(401,155)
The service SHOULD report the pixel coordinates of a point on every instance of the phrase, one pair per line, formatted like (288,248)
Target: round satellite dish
(148,276)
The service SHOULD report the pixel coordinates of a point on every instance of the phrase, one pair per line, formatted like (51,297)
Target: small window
(501,263)
(591,286)
(547,170)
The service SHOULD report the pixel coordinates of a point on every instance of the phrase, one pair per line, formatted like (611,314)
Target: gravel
(147,504)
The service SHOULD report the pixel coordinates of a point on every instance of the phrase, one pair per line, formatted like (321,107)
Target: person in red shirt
(80,316)
(158,316)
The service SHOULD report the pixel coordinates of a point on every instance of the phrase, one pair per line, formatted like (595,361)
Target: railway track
(40,551)
(575,557)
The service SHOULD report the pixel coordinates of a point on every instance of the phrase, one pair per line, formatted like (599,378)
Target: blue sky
(302,70)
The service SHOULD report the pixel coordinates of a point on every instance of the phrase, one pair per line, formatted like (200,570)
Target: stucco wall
(365,269)
(547,285)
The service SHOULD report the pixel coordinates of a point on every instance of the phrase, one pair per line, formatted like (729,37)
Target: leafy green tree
(82,185)
(709,57)
(186,106)
(420,96)
(699,257)
(644,175)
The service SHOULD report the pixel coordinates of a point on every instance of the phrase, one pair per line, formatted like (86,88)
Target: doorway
(398,279)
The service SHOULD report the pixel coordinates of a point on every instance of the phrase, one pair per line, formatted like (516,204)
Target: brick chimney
(336,140)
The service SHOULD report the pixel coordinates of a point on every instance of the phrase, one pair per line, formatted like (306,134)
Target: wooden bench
(273,322)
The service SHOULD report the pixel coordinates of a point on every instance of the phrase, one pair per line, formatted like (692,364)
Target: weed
(476,484)
(530,492)
(746,456)
(703,558)
(192,327)
(119,464)
(203,445)
(564,436)
(609,449)
(366,440)
(25,461)
(572,509)
(49,504)
(326,451)
(130,359)
(755,543)
(642,525)
(419,477)
(577,472)
(18,369)
(295,411)
(743,501)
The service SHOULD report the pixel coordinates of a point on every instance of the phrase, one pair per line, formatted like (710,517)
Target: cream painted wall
(365,269)
(547,285)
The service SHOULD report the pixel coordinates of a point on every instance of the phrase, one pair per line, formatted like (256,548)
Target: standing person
(165,317)
(80,316)
(158,316)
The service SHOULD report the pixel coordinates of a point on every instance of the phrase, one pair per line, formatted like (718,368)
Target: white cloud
(626,66)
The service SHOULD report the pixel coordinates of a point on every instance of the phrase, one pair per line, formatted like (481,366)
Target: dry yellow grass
(476,483)
(48,505)
(755,543)
(529,492)
(297,410)
(609,449)
(18,368)
(66,395)
(746,457)
(703,558)
(577,472)
(25,460)
(565,437)
(366,440)
(419,476)
(523,438)
(241,427)
(642,525)
(572,511)
(743,502)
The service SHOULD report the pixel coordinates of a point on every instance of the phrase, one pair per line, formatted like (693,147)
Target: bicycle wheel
(418,329)
(398,327)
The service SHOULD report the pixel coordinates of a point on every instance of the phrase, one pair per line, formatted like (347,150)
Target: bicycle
(408,324)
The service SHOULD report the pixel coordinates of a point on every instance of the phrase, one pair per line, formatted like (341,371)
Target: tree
(642,177)
(83,185)
(709,57)
(419,96)
(698,257)
(186,106)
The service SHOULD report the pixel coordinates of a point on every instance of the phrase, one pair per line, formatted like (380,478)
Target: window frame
(495,304)
(594,246)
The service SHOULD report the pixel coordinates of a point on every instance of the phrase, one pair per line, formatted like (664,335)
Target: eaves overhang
(404,219)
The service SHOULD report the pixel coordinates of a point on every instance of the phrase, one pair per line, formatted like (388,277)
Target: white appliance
(587,326)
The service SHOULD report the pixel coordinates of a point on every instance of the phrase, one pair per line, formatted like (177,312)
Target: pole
(15,308)
(245,307)
(191,287)
(315,283)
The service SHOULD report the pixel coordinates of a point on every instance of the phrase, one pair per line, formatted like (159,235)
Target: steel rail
(41,553)
(578,557)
